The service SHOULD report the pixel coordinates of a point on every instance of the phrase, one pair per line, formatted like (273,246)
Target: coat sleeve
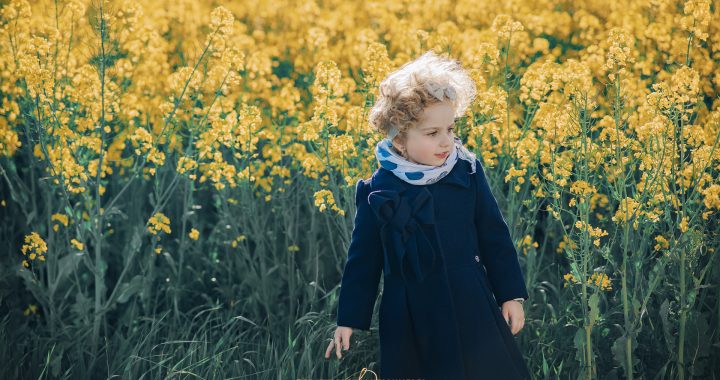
(496,245)
(361,276)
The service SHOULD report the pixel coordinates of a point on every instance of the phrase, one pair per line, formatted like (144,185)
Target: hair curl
(405,92)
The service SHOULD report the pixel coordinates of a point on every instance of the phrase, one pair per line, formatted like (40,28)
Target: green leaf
(698,345)
(594,309)
(669,338)
(618,351)
(82,309)
(580,345)
(56,363)
(127,289)
(33,285)
(66,265)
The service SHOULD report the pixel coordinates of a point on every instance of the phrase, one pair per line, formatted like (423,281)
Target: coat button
(477,258)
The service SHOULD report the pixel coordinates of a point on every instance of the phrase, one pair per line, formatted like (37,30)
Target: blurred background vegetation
(177,178)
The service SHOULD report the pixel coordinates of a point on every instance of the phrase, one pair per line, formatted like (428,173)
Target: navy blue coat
(448,264)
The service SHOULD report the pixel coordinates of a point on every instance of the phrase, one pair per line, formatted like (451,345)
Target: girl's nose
(448,140)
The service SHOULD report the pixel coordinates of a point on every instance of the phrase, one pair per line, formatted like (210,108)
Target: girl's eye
(451,129)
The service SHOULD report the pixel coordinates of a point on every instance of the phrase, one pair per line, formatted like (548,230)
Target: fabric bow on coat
(412,248)
(405,226)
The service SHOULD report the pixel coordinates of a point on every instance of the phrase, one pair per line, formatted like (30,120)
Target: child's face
(433,135)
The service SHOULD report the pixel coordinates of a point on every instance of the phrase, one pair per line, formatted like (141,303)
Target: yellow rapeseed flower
(325,199)
(78,245)
(194,234)
(570,278)
(34,247)
(61,219)
(684,224)
(662,243)
(157,223)
(31,309)
(600,280)
(697,18)
(504,26)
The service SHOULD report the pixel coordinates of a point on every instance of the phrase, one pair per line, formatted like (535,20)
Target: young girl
(453,289)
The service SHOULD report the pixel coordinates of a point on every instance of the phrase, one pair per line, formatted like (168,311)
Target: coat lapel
(459,175)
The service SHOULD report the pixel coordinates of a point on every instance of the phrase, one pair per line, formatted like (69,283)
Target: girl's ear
(398,144)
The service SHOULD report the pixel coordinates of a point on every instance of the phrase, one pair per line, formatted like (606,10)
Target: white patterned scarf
(419,174)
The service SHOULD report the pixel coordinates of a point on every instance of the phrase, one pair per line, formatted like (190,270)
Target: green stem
(99,274)
(683,317)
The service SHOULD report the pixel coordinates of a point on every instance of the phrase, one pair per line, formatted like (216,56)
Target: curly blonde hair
(427,80)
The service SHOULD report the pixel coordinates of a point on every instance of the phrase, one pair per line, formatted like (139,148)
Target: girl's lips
(441,155)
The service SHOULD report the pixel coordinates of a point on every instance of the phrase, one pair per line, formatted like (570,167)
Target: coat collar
(387,180)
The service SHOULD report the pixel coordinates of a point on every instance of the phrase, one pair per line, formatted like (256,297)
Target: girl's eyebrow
(429,128)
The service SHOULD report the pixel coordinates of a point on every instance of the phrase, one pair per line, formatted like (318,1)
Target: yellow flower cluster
(186,164)
(142,140)
(237,240)
(159,223)
(570,278)
(566,242)
(619,53)
(684,227)
(527,243)
(34,248)
(601,280)
(593,232)
(31,309)
(78,245)
(539,79)
(219,172)
(504,26)
(194,234)
(516,173)
(327,81)
(60,219)
(9,141)
(221,25)
(582,188)
(662,243)
(325,199)
(376,63)
(697,18)
(712,196)
(628,208)
(64,165)
(675,96)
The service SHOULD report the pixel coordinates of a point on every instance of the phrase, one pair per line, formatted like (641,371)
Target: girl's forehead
(438,115)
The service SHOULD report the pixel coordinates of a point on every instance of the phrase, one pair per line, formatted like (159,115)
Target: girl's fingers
(518,324)
(346,342)
(340,341)
(329,348)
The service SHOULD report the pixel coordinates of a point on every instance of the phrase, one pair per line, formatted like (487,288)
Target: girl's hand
(513,311)
(341,339)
